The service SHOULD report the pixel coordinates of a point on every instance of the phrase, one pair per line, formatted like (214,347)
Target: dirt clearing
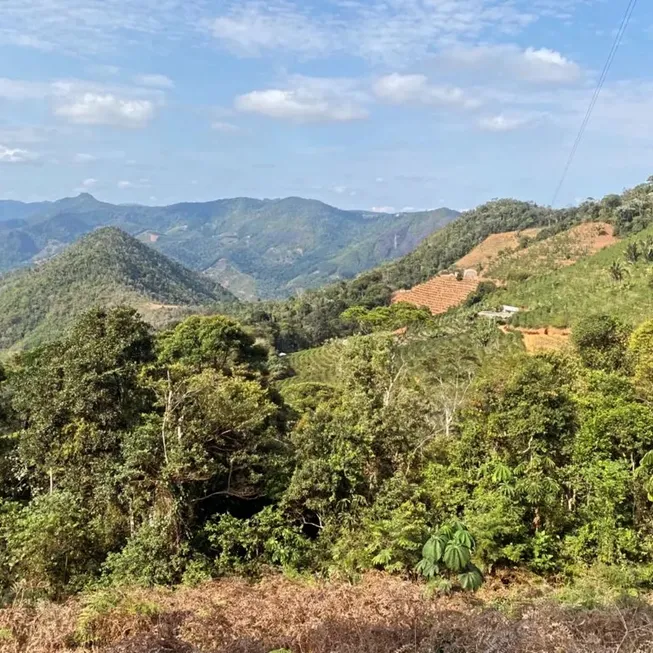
(544,339)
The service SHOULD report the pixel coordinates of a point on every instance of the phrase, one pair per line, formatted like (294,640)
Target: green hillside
(314,317)
(280,246)
(588,287)
(318,365)
(107,267)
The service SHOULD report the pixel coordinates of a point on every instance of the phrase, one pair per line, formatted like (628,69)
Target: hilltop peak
(107,267)
(82,197)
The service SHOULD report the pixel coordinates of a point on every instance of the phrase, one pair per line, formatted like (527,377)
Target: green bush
(600,341)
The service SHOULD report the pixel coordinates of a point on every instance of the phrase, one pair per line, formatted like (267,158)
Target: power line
(606,69)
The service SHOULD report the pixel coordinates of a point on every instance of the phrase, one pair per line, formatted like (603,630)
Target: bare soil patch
(544,339)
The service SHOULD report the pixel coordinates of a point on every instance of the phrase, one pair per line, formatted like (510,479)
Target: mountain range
(256,248)
(105,268)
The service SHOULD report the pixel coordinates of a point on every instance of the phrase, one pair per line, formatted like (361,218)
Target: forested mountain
(105,268)
(263,247)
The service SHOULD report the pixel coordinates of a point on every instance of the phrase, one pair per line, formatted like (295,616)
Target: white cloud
(92,26)
(416,89)
(126,184)
(224,127)
(343,190)
(307,99)
(16,155)
(502,123)
(106,109)
(81,157)
(27,41)
(18,89)
(88,103)
(383,209)
(539,66)
(155,81)
(251,28)
(89,183)
(387,30)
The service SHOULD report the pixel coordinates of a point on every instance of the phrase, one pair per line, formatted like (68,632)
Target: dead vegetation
(380,614)
(556,252)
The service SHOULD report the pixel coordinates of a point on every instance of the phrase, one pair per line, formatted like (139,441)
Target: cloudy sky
(360,103)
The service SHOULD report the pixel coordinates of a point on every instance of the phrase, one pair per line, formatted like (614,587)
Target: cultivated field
(494,245)
(438,294)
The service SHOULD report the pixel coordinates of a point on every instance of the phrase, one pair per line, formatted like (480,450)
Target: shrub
(600,341)
(152,556)
(105,610)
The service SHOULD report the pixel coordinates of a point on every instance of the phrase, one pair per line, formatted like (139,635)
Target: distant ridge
(263,248)
(105,268)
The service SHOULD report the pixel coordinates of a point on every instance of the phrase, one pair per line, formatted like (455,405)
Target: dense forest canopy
(134,457)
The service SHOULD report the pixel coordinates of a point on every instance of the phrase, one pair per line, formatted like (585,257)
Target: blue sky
(388,104)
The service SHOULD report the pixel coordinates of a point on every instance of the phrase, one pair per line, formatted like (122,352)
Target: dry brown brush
(379,615)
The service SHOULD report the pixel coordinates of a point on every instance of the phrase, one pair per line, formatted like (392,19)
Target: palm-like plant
(617,271)
(647,249)
(632,252)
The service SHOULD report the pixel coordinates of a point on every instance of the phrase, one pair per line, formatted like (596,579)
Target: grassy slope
(451,339)
(565,295)
(106,268)
(318,365)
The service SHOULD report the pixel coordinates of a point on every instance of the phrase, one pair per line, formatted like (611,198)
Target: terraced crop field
(319,365)
(559,251)
(438,294)
(491,248)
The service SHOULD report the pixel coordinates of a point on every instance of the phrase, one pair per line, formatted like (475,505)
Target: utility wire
(606,69)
